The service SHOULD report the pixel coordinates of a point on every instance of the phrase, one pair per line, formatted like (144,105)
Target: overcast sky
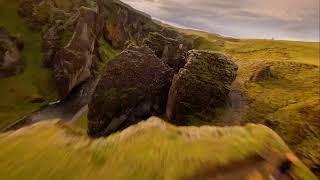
(279,19)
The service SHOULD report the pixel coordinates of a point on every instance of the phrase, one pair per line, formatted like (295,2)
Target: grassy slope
(34,82)
(259,49)
(149,150)
(290,104)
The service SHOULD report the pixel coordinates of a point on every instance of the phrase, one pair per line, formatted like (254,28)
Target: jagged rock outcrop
(135,86)
(172,51)
(47,12)
(10,58)
(70,31)
(71,64)
(202,85)
(123,24)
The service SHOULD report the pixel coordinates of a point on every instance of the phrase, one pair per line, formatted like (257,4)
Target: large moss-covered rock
(10,58)
(172,51)
(134,86)
(201,86)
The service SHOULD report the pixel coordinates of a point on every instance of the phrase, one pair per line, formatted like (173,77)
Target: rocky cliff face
(71,31)
(71,35)
(40,13)
(123,24)
(10,57)
(135,85)
(72,63)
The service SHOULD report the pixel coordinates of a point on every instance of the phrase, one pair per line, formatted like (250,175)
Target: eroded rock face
(123,23)
(10,58)
(70,31)
(202,85)
(71,64)
(135,86)
(173,52)
(43,12)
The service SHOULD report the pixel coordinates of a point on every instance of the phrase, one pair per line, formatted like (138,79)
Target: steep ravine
(67,109)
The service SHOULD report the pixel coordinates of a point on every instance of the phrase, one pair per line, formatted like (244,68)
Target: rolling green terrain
(257,49)
(289,102)
(149,150)
(34,82)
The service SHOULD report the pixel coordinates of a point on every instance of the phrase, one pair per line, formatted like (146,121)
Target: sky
(263,19)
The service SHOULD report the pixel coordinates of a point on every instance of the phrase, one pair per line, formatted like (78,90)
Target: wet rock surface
(135,86)
(202,85)
(10,53)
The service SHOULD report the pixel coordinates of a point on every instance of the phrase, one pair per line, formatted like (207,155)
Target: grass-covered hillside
(288,101)
(149,150)
(35,83)
(258,49)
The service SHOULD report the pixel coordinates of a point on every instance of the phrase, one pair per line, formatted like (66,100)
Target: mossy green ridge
(34,82)
(151,149)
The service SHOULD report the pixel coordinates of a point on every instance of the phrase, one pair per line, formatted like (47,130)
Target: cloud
(280,19)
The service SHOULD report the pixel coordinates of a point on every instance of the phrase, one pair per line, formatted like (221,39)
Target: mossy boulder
(134,86)
(172,51)
(201,86)
(10,57)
